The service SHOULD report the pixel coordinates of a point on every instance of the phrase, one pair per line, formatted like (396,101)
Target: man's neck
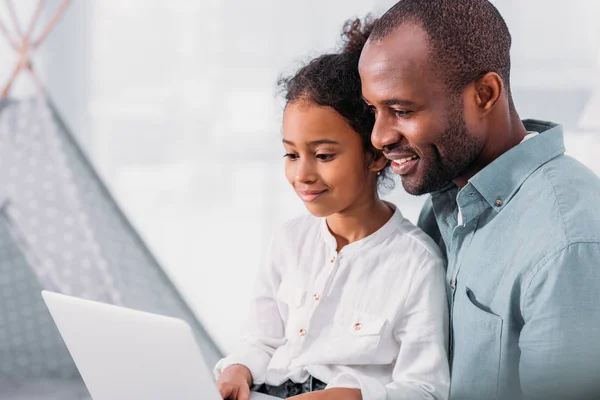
(506,137)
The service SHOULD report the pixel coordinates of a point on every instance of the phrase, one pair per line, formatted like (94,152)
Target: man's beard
(460,150)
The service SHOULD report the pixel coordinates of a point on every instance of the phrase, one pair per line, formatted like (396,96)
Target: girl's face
(326,163)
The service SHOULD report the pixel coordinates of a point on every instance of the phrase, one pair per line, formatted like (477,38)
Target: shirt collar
(375,238)
(499,181)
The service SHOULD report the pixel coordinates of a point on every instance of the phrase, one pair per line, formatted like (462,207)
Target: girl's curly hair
(332,80)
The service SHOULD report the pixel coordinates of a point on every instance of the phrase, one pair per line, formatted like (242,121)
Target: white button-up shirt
(373,316)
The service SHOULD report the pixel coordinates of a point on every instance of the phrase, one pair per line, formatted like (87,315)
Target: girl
(351,298)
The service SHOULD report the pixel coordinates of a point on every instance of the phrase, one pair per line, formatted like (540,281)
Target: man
(519,220)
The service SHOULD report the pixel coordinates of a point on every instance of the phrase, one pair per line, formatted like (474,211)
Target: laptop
(125,354)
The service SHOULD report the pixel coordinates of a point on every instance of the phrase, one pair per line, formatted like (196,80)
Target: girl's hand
(331,394)
(234,383)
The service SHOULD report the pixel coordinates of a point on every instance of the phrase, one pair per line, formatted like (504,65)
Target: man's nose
(383,134)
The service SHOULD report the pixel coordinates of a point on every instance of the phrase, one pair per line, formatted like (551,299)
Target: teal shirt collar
(498,182)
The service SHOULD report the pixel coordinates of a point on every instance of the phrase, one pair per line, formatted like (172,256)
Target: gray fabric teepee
(34,363)
(61,230)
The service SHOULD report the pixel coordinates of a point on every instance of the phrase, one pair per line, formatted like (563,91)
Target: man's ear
(487,91)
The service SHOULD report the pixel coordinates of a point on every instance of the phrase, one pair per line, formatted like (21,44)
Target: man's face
(419,125)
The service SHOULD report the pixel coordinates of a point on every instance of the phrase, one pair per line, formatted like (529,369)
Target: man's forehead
(382,66)
(404,49)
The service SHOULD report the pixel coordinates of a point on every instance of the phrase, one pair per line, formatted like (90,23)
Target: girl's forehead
(312,123)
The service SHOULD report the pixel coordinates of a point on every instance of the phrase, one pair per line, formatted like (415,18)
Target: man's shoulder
(426,216)
(566,194)
(428,224)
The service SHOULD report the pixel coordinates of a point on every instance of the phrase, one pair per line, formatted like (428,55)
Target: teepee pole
(36,81)
(34,19)
(13,16)
(13,43)
(53,22)
(12,78)
(26,46)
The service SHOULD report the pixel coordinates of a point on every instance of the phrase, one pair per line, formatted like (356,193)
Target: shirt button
(316,297)
(332,259)
(498,203)
(357,326)
(453,284)
(302,332)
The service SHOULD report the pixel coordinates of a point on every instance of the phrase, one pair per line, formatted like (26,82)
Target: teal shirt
(523,275)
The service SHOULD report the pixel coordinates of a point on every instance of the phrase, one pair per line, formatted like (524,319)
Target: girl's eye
(291,156)
(325,157)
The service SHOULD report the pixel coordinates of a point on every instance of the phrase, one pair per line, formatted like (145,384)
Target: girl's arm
(264,331)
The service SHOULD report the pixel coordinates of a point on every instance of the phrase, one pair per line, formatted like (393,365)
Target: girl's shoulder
(408,235)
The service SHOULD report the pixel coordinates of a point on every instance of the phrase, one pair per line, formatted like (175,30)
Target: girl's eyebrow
(314,142)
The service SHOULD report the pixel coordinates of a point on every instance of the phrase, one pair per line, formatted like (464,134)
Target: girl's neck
(359,221)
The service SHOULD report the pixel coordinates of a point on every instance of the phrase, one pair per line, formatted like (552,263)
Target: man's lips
(403,163)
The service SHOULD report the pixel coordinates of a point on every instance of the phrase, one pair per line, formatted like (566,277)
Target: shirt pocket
(356,337)
(292,298)
(477,349)
(291,294)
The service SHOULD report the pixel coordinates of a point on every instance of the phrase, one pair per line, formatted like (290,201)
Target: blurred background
(175,103)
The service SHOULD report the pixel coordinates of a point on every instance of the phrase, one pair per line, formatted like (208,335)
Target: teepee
(61,230)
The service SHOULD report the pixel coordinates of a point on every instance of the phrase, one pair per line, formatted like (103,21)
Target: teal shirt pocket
(479,333)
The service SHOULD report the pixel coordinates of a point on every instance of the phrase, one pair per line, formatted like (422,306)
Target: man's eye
(402,113)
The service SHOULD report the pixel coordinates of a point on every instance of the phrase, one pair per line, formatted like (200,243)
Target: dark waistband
(290,388)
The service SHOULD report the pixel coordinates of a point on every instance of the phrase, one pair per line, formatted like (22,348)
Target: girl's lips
(309,196)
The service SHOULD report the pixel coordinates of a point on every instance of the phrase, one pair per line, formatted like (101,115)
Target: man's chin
(417,186)
(412,187)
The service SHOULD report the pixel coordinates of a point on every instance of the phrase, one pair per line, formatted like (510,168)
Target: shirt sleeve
(421,370)
(560,352)
(264,331)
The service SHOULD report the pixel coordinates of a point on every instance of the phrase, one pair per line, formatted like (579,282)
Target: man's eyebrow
(398,102)
(393,102)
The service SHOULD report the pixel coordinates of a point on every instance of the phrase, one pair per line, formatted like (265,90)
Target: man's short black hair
(469,38)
